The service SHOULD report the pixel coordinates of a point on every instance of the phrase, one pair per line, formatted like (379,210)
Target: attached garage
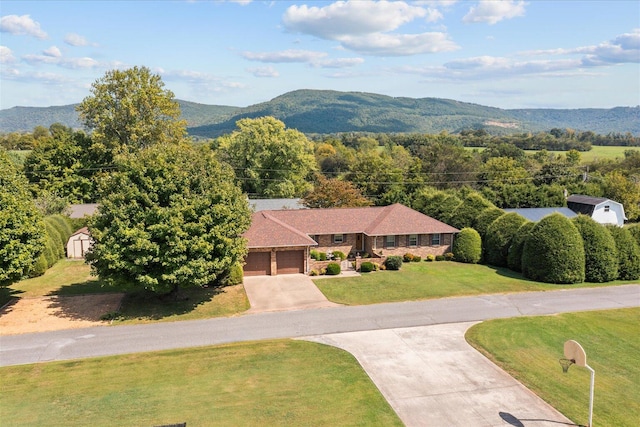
(258,264)
(290,262)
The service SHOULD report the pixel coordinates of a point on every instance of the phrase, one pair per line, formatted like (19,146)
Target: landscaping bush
(407,257)
(467,247)
(235,276)
(314,254)
(499,237)
(339,254)
(514,257)
(39,267)
(554,252)
(63,225)
(50,251)
(366,267)
(430,258)
(628,253)
(467,213)
(333,269)
(314,273)
(322,256)
(58,245)
(394,262)
(600,252)
(635,232)
(448,256)
(486,217)
(416,258)
(440,258)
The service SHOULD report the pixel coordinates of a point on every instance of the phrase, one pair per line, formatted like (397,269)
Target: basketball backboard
(574,352)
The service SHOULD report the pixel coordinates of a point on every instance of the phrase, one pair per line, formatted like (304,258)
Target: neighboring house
(536,214)
(280,241)
(604,211)
(274,204)
(79,243)
(82,210)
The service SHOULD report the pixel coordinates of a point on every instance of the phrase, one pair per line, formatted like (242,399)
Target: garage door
(258,264)
(290,262)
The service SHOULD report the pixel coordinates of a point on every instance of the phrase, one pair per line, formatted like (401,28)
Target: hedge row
(58,229)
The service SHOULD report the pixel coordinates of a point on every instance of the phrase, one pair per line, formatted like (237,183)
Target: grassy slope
(529,348)
(426,280)
(267,383)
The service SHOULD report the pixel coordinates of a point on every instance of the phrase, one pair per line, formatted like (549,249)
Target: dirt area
(53,313)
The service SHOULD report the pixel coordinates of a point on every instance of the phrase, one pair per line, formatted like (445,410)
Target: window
(390,241)
(338,239)
(435,240)
(606,208)
(412,240)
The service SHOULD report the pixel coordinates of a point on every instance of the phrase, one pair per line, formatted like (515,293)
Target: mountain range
(329,112)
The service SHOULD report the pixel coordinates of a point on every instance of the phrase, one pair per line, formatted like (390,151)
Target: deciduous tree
(334,193)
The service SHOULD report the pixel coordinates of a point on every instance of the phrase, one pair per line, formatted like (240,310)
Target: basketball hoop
(566,363)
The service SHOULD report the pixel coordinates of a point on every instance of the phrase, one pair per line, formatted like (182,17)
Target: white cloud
(290,56)
(493,11)
(70,63)
(6,55)
(264,72)
(53,52)
(74,39)
(434,15)
(199,82)
(338,63)
(350,18)
(400,44)
(21,26)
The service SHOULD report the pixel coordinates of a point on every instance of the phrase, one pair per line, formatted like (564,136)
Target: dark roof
(275,228)
(586,200)
(536,214)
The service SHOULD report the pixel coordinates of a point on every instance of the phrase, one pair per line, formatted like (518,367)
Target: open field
(267,383)
(529,348)
(427,280)
(597,152)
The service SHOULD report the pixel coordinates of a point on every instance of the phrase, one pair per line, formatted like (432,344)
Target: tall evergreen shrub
(554,252)
(467,246)
(514,257)
(499,237)
(600,253)
(468,211)
(628,253)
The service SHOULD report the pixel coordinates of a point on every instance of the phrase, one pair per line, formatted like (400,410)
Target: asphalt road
(111,340)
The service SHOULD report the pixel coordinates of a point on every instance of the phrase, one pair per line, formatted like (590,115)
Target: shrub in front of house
(499,237)
(236,275)
(314,254)
(467,246)
(448,256)
(333,269)
(430,258)
(416,258)
(394,262)
(553,252)
(600,252)
(514,257)
(366,267)
(635,232)
(486,217)
(322,256)
(339,255)
(314,273)
(440,258)
(628,253)
(407,257)
(468,211)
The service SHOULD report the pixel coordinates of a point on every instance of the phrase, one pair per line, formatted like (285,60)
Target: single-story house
(79,243)
(536,214)
(602,210)
(280,241)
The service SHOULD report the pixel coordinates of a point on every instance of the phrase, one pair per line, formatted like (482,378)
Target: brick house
(280,241)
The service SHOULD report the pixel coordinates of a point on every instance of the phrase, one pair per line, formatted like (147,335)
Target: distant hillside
(316,111)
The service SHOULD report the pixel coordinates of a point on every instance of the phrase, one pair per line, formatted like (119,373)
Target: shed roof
(586,200)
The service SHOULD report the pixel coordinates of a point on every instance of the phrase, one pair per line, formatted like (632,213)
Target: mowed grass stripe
(529,348)
(268,383)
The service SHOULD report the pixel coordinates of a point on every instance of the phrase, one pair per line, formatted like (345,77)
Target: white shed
(604,211)
(79,243)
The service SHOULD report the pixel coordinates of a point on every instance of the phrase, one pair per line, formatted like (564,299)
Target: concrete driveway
(283,292)
(432,377)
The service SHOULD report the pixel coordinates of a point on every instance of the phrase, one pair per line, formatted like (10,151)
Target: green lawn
(529,348)
(426,280)
(268,383)
(597,152)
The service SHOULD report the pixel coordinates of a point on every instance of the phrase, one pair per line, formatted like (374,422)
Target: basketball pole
(593,377)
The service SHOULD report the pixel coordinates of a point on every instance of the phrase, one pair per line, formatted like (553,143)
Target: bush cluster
(499,237)
(393,262)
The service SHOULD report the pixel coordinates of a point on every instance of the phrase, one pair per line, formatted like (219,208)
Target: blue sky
(507,54)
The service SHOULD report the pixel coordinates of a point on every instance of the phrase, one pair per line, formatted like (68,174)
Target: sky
(499,53)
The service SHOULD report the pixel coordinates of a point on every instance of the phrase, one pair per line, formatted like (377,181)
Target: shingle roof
(536,214)
(83,230)
(586,200)
(395,219)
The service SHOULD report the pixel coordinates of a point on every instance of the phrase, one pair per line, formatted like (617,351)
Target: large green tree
(131,109)
(21,227)
(171,217)
(268,159)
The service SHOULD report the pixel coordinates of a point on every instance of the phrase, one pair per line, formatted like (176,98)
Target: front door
(359,242)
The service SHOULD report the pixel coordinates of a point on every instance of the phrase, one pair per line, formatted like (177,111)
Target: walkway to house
(283,292)
(432,377)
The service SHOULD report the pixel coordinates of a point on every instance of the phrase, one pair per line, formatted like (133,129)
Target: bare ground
(54,313)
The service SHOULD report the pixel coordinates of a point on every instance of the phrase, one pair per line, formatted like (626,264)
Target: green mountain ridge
(324,112)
